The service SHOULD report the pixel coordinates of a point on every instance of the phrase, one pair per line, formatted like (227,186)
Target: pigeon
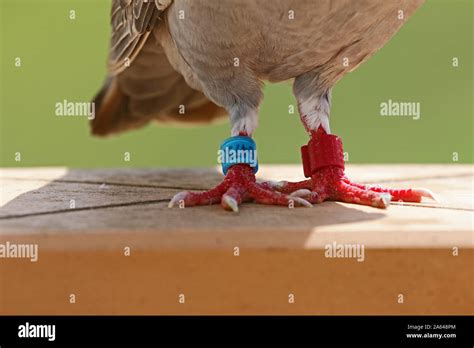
(196,61)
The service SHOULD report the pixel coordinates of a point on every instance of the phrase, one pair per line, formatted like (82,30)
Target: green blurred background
(65,59)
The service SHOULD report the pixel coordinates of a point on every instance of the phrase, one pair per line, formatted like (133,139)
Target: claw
(275,185)
(426,193)
(301,193)
(286,186)
(301,201)
(385,199)
(230,203)
(180,196)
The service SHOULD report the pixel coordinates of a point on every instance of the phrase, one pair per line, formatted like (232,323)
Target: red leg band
(321,151)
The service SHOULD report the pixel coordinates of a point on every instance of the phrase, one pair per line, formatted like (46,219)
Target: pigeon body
(196,60)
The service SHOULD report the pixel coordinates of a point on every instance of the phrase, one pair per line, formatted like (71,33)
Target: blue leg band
(238,150)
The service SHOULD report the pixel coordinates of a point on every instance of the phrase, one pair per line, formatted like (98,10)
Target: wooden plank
(256,282)
(27,197)
(409,249)
(203,178)
(256,226)
(198,178)
(142,209)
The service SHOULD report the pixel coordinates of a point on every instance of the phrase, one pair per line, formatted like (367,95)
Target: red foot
(330,184)
(323,161)
(238,186)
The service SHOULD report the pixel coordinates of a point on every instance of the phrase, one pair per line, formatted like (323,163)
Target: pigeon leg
(323,159)
(238,156)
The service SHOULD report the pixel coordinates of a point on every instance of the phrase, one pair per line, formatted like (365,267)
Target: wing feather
(132,22)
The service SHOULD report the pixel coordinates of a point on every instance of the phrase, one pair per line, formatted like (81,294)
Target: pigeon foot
(238,186)
(323,163)
(331,184)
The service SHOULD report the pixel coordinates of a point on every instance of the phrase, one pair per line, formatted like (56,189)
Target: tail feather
(110,106)
(150,89)
(116,112)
